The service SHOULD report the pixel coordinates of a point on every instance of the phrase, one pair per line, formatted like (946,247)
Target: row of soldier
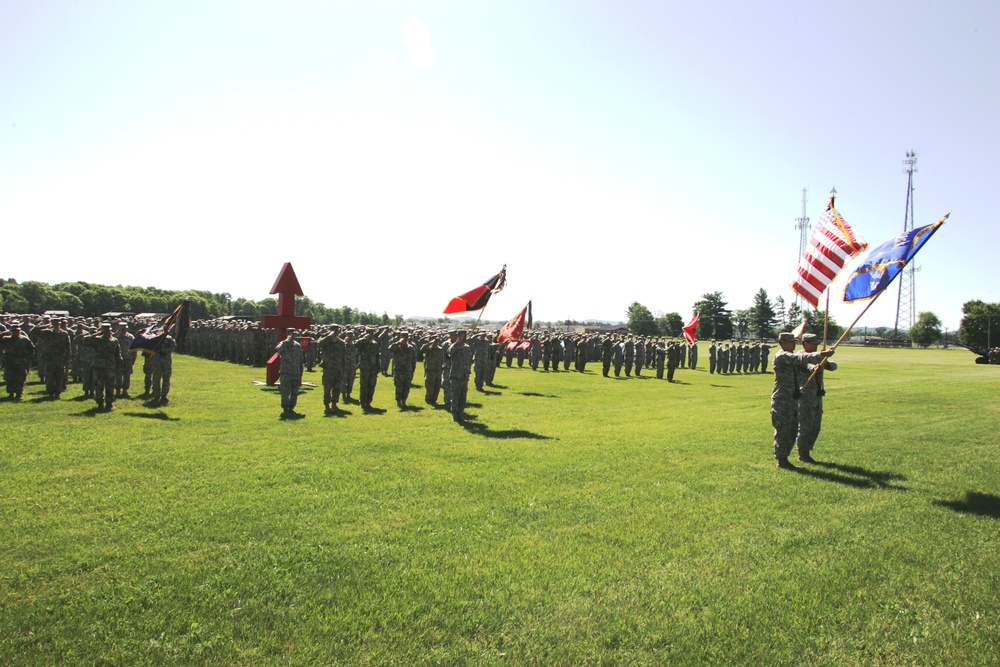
(85,351)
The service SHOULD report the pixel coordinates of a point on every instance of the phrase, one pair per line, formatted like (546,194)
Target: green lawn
(574,520)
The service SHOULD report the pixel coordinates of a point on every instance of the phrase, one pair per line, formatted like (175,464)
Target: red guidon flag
(689,330)
(478,297)
(832,246)
(514,329)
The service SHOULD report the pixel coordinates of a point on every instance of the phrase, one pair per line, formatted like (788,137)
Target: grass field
(574,520)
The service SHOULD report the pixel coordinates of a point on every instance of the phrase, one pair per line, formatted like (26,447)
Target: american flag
(832,246)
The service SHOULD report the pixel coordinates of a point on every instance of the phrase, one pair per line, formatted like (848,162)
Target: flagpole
(826,319)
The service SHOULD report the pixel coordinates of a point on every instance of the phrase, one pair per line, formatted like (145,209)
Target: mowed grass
(574,520)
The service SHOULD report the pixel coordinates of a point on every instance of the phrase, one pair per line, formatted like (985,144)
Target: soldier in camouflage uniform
(404,364)
(18,351)
(107,359)
(765,350)
(331,351)
(124,379)
(58,349)
(673,358)
(607,349)
(351,360)
(712,358)
(640,356)
(790,371)
(369,365)
(163,369)
(480,358)
(433,361)
(811,403)
(289,374)
(460,357)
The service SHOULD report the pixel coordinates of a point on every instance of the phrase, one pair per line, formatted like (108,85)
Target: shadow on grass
(336,411)
(721,386)
(499,386)
(485,431)
(856,476)
(879,478)
(983,504)
(159,414)
(535,394)
(487,392)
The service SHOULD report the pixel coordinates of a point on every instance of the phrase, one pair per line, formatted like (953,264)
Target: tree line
(979,330)
(82,299)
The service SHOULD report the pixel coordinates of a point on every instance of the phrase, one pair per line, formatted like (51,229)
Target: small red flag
(690,329)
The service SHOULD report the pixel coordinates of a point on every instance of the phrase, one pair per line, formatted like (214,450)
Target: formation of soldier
(737,357)
(87,351)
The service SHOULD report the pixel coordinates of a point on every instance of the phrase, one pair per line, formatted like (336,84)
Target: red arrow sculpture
(287,288)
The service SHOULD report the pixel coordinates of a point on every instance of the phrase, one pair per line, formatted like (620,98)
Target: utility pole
(802,224)
(906,307)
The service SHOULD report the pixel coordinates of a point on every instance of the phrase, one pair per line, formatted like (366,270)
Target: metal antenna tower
(906,307)
(802,224)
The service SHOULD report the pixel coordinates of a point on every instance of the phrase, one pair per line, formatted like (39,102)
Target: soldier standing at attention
(790,371)
(289,375)
(404,364)
(628,352)
(765,350)
(606,348)
(459,369)
(433,360)
(331,349)
(711,357)
(640,356)
(673,357)
(811,403)
(351,360)
(58,349)
(163,368)
(18,351)
(107,359)
(369,357)
(124,379)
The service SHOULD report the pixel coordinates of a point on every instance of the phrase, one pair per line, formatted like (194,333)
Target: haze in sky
(399,153)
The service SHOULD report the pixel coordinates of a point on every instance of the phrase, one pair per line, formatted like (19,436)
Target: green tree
(926,331)
(715,321)
(762,317)
(640,320)
(670,325)
(980,326)
(814,325)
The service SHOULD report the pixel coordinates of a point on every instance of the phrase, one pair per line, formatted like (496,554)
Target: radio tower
(802,224)
(906,307)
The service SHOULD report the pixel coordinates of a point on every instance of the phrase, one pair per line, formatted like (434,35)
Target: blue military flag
(885,262)
(150,340)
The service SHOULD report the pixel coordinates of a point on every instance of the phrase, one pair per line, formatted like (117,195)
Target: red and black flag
(478,297)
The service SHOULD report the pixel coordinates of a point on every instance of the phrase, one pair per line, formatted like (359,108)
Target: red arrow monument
(287,288)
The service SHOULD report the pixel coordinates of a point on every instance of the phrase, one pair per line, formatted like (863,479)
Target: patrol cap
(786,337)
(105,325)
(810,338)
(122,325)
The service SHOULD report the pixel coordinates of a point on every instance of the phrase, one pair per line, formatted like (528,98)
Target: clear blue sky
(398,153)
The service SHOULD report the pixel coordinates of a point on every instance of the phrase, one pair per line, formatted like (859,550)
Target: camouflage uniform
(18,351)
(369,365)
(351,360)
(460,366)
(58,349)
(811,409)
(290,374)
(332,352)
(640,357)
(404,364)
(607,346)
(712,358)
(433,360)
(107,359)
(790,371)
(163,368)
(124,379)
